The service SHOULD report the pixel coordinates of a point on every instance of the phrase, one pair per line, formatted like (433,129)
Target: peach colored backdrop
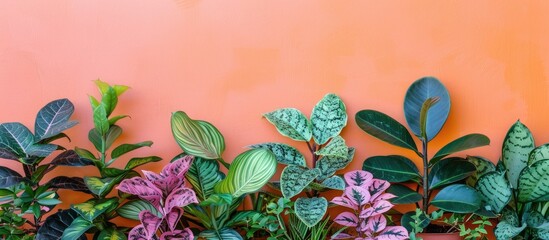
(228,62)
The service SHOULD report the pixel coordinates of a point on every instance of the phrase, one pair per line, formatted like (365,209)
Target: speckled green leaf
(294,179)
(310,210)
(539,153)
(335,148)
(328,118)
(534,182)
(334,182)
(505,230)
(328,165)
(392,168)
(198,138)
(517,145)
(291,123)
(482,165)
(285,154)
(495,190)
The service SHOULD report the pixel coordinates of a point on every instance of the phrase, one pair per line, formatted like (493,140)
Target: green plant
(26,198)
(464,222)
(96,214)
(219,195)
(517,187)
(426,108)
(328,151)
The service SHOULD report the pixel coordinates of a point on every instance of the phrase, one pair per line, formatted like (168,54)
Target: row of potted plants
(192,197)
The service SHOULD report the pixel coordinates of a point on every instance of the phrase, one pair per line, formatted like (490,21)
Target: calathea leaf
(284,154)
(70,158)
(217,199)
(328,118)
(533,182)
(197,138)
(179,197)
(483,166)
(518,143)
(55,225)
(16,138)
(92,209)
(111,234)
(72,183)
(310,210)
(495,190)
(392,168)
(142,188)
(294,179)
(203,175)
(78,227)
(328,165)
(125,148)
(291,123)
(132,209)
(53,119)
(9,177)
(223,234)
(335,148)
(460,144)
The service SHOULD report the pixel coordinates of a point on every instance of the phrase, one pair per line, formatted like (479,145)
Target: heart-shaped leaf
(294,179)
(53,119)
(495,190)
(334,182)
(358,178)
(310,210)
(284,154)
(198,138)
(328,165)
(518,143)
(458,198)
(328,118)
(291,123)
(392,168)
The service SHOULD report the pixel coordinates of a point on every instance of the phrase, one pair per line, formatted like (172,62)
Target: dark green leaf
(111,234)
(115,119)
(78,227)
(125,148)
(9,177)
(404,195)
(95,137)
(203,175)
(460,144)
(448,171)
(135,162)
(132,209)
(223,234)
(285,154)
(53,119)
(8,154)
(55,225)
(41,150)
(392,168)
(72,183)
(328,118)
(16,138)
(422,221)
(458,198)
(70,158)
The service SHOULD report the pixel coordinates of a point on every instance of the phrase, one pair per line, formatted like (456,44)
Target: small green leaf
(48,201)
(404,195)
(83,153)
(328,118)
(392,168)
(125,148)
(114,120)
(100,120)
(109,100)
(132,209)
(78,227)
(461,144)
(328,165)
(518,143)
(294,179)
(310,210)
(285,154)
(135,162)
(335,148)
(458,198)
(112,134)
(111,234)
(291,123)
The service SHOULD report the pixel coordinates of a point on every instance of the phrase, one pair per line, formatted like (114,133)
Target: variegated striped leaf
(294,179)
(539,153)
(291,123)
(198,138)
(517,145)
(534,182)
(495,190)
(328,118)
(285,154)
(310,210)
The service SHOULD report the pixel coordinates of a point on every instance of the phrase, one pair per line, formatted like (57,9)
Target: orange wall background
(228,62)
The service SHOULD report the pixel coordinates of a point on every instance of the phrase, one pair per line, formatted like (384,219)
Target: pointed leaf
(505,230)
(53,119)
(83,153)
(335,148)
(334,182)
(125,148)
(358,178)
(533,182)
(102,186)
(78,227)
(385,128)
(345,202)
(483,166)
(294,179)
(9,177)
(203,175)
(377,187)
(539,153)
(379,207)
(112,134)
(517,145)
(328,165)
(376,223)
(461,144)
(285,154)
(143,189)
(310,210)
(111,234)
(217,199)
(197,138)
(72,183)
(41,150)
(135,162)
(223,234)
(328,118)
(139,233)
(8,154)
(291,123)
(458,198)
(419,92)
(16,138)
(347,219)
(172,217)
(421,221)
(150,223)
(100,120)
(115,119)
(70,158)
(179,197)
(392,168)
(92,209)
(404,194)
(132,209)
(109,99)
(55,225)
(495,190)
(393,233)
(185,234)
(358,195)
(248,173)
(448,171)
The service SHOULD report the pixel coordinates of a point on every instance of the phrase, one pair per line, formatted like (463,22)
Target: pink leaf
(138,233)
(151,176)
(385,196)
(376,223)
(178,168)
(347,219)
(358,178)
(378,187)
(150,223)
(345,202)
(381,207)
(393,233)
(168,184)
(180,197)
(173,217)
(143,189)
(184,234)
(358,195)
(342,236)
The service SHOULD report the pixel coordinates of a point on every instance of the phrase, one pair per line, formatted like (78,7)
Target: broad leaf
(347,219)
(249,172)
(378,207)
(310,210)
(70,158)
(125,148)
(328,118)
(518,143)
(291,123)
(294,179)
(102,186)
(392,168)
(377,187)
(393,233)
(539,153)
(483,166)
(41,150)
(83,153)
(385,128)
(404,195)
(139,233)
(334,182)
(335,148)
(142,188)
(112,134)
(458,198)
(223,234)
(55,225)
(71,183)
(505,230)
(376,223)
(179,197)
(217,199)
(358,178)
(197,138)
(109,99)
(111,234)
(9,177)
(203,175)
(328,165)
(448,171)
(53,119)
(78,227)
(358,195)
(533,182)
(16,138)
(132,209)
(100,120)
(460,144)
(419,92)
(95,137)
(284,154)
(8,154)
(135,162)
(91,209)
(495,190)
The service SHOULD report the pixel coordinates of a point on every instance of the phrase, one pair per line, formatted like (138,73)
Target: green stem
(225,164)
(425,177)
(282,226)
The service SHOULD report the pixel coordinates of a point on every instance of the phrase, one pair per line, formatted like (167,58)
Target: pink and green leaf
(358,178)
(347,219)
(358,195)
(180,197)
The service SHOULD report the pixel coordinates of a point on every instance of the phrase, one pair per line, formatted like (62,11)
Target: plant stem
(225,164)
(425,177)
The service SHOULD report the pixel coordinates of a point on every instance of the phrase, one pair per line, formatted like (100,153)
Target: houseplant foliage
(426,108)
(517,187)
(365,196)
(24,199)
(219,194)
(95,215)
(328,151)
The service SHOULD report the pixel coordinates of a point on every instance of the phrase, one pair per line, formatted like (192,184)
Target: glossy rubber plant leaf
(518,143)
(248,173)
(111,234)
(53,119)
(197,138)
(291,123)
(539,153)
(457,198)
(483,166)
(71,183)
(132,209)
(78,227)
(92,209)
(125,148)
(53,227)
(392,168)
(136,162)
(222,234)
(16,138)
(284,154)
(70,158)
(328,165)
(328,118)
(506,230)
(8,154)
(310,210)
(419,92)
(335,148)
(179,197)
(461,144)
(203,175)
(347,219)
(9,177)
(294,179)
(358,178)
(449,171)
(533,182)
(495,190)
(142,188)
(404,195)
(385,128)
(334,182)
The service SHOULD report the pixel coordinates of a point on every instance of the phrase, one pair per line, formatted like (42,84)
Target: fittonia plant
(328,151)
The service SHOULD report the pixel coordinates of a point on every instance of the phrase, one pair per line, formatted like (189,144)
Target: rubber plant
(24,199)
(219,195)
(426,108)
(516,188)
(367,199)
(168,194)
(96,214)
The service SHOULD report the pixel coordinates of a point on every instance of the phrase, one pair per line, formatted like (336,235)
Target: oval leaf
(419,92)
(70,158)
(347,219)
(294,179)
(358,195)
(72,183)
(518,143)
(16,138)
(310,210)
(458,198)
(197,138)
(335,148)
(404,195)
(391,168)
(448,171)
(125,148)
(53,119)
(385,128)
(495,190)
(334,182)
(284,154)
(460,144)
(533,182)
(203,175)
(328,165)
(135,162)
(223,234)
(291,123)
(78,227)
(328,118)
(9,177)
(358,178)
